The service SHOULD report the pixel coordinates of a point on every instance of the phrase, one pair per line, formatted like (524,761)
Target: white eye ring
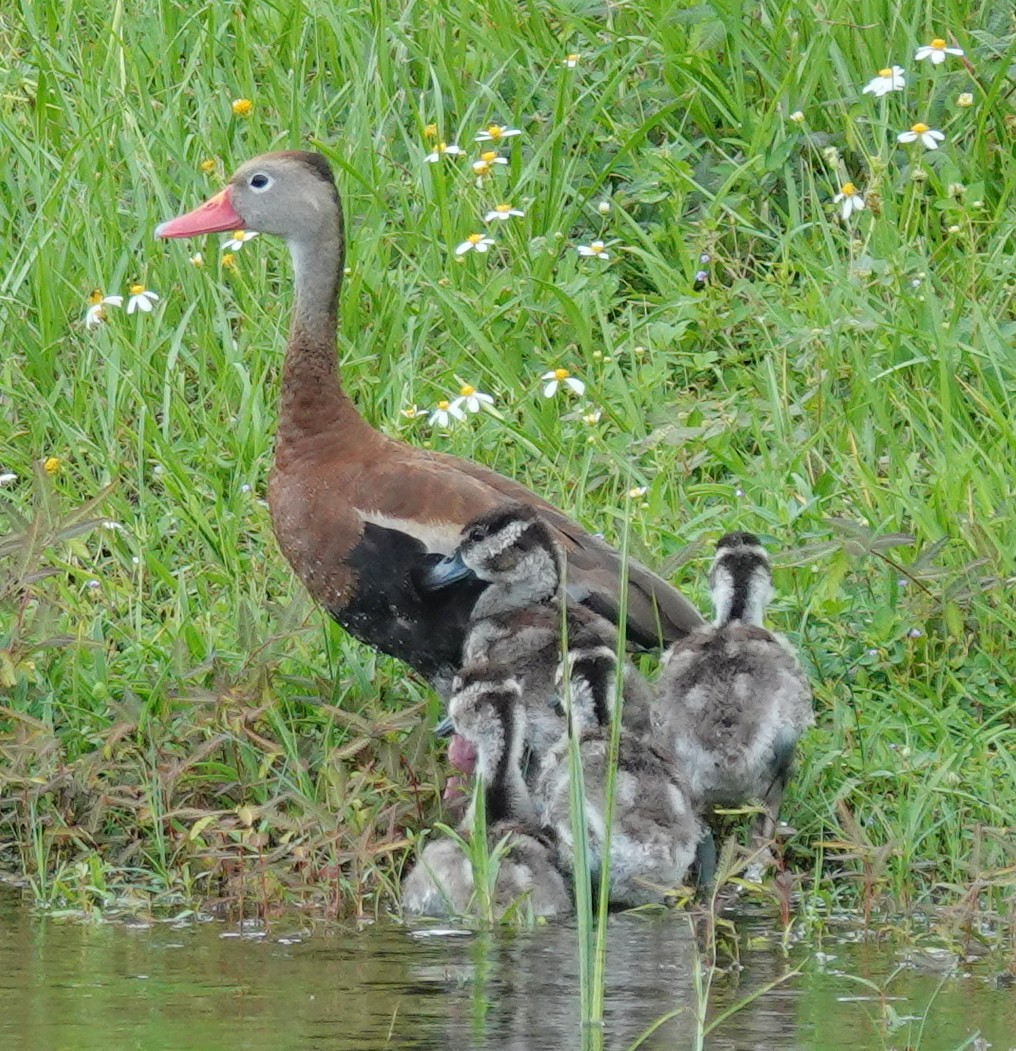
(259,182)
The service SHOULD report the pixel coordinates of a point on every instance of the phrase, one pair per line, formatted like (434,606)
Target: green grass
(178,724)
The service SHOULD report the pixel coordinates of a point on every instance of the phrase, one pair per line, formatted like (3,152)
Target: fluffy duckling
(656,832)
(732,698)
(487,710)
(516,623)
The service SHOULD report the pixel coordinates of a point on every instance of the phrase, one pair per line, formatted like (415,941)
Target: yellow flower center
(136,290)
(238,235)
(502,208)
(573,57)
(885,72)
(241,107)
(474,239)
(441,147)
(228,259)
(467,391)
(561,374)
(848,189)
(919,129)
(94,297)
(494,131)
(51,465)
(207,166)
(597,247)
(938,44)
(442,405)
(430,131)
(481,168)
(489,156)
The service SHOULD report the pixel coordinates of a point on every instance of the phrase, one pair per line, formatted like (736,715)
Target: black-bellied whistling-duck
(357,514)
(488,710)
(732,697)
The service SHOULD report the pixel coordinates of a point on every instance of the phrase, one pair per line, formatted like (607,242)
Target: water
(202,986)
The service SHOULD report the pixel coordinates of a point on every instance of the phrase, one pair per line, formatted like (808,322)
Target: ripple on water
(169,987)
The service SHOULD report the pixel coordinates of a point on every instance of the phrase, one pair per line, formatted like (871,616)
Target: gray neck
(741,595)
(500,766)
(317,277)
(312,402)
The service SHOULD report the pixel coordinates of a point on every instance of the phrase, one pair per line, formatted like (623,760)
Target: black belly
(389,613)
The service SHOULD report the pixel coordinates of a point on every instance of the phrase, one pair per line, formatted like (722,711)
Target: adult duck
(360,515)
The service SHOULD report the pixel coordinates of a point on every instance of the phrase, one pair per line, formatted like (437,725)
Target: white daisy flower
(7,477)
(474,243)
(892,78)
(849,199)
(496,132)
(488,159)
(637,492)
(443,150)
(929,137)
(237,239)
(572,60)
(936,51)
(141,298)
(412,412)
(557,378)
(470,399)
(197,260)
(596,250)
(503,212)
(445,413)
(95,315)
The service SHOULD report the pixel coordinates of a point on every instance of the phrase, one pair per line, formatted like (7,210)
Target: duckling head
(487,710)
(740,580)
(512,547)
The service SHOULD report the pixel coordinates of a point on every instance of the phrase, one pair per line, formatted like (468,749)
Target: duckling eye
(260,181)
(476,535)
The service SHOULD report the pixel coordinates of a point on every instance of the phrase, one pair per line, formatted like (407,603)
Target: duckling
(516,623)
(732,699)
(656,832)
(487,710)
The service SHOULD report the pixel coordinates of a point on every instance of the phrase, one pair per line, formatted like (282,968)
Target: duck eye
(260,181)
(476,535)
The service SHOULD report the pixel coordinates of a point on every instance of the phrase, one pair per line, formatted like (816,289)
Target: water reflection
(93,988)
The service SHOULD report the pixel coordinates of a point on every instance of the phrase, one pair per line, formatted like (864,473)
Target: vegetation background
(177,724)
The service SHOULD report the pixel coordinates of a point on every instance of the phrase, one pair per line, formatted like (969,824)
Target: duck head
(509,546)
(290,194)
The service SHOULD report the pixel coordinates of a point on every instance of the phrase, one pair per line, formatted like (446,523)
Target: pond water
(208,986)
